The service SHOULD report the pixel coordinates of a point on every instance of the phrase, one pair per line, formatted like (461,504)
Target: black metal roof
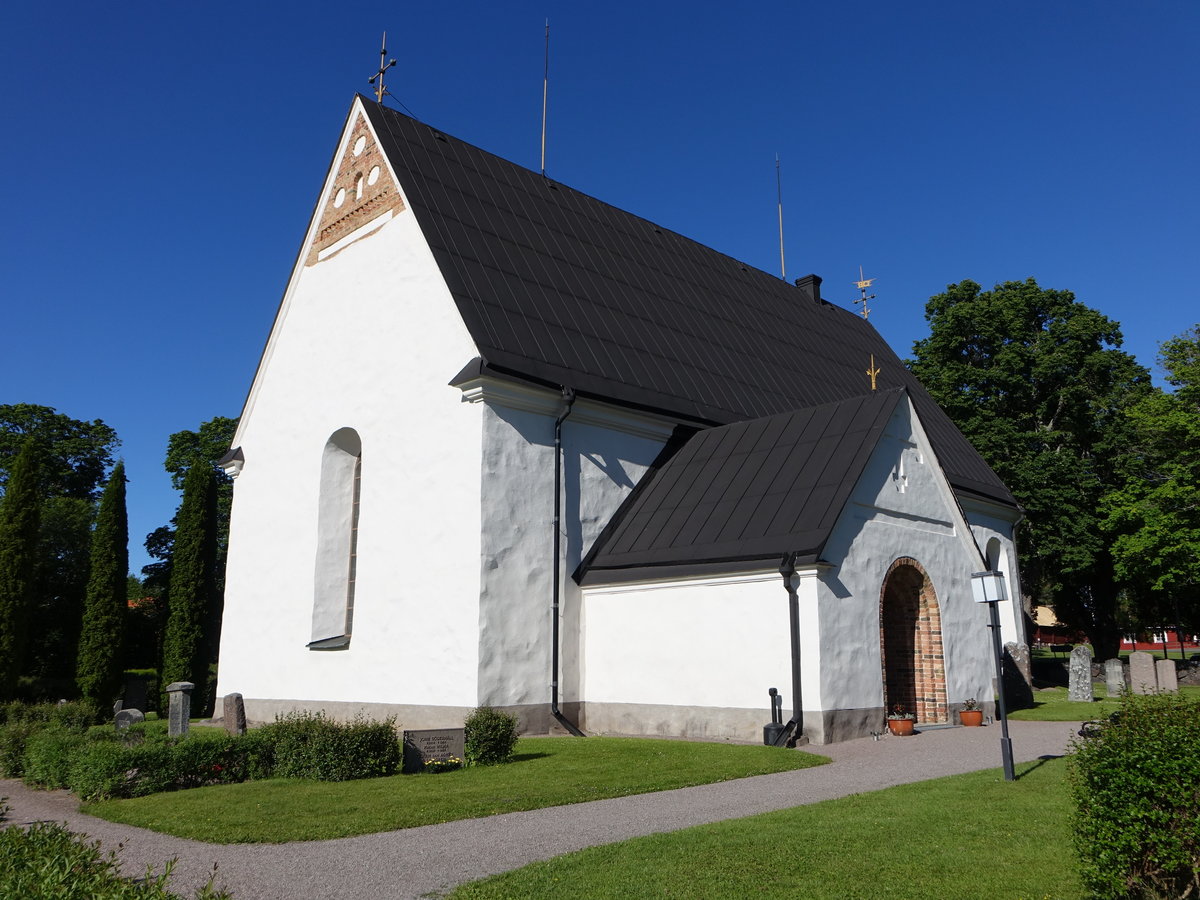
(745,493)
(558,287)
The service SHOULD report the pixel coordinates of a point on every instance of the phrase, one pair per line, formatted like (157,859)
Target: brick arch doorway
(910,632)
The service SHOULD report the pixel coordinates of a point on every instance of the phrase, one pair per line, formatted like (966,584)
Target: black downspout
(793,732)
(569,398)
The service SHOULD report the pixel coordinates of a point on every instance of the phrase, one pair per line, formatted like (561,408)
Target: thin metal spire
(873,371)
(545,94)
(779,201)
(380,90)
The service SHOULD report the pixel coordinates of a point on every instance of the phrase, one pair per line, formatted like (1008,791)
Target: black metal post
(1005,742)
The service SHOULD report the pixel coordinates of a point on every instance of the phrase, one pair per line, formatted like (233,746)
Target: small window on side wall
(337,541)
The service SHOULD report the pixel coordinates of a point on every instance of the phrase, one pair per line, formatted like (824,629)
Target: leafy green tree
(1036,380)
(74,459)
(19,522)
(188,643)
(1156,513)
(100,658)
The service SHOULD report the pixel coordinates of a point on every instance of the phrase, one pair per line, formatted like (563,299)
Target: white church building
(510,445)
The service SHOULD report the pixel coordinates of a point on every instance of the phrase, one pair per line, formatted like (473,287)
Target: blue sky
(162,161)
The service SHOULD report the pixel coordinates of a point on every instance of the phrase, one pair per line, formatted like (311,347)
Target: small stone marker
(432,743)
(1080,689)
(233,712)
(1114,677)
(1167,678)
(127,717)
(179,693)
(1018,680)
(1142,677)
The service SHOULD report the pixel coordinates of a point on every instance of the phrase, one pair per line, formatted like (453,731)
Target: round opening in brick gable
(339,198)
(359,145)
(358,186)
(373,176)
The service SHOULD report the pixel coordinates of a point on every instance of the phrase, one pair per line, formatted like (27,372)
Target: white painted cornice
(804,573)
(547,402)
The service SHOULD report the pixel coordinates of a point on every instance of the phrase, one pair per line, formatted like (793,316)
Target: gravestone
(1018,681)
(126,717)
(1167,679)
(1080,686)
(1142,677)
(1114,677)
(432,743)
(233,712)
(179,695)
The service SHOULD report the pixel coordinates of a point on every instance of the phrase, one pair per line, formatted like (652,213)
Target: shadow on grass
(525,757)
(1034,766)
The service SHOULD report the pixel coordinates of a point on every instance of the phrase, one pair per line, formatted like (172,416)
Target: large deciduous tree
(188,644)
(100,658)
(1037,381)
(1156,514)
(19,522)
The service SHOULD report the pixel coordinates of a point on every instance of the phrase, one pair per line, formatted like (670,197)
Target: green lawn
(1052,705)
(546,772)
(968,836)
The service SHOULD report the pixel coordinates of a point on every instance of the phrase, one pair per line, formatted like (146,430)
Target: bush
(47,860)
(1135,780)
(14,737)
(48,757)
(308,745)
(73,714)
(491,737)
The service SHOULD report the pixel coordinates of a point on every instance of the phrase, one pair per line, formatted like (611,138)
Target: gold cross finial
(862,284)
(380,90)
(873,371)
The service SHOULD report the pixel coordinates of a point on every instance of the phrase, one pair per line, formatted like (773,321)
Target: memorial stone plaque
(1114,677)
(1168,680)
(233,713)
(179,695)
(1080,687)
(127,717)
(432,743)
(1142,677)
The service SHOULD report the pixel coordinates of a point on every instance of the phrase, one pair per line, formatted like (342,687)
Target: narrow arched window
(337,541)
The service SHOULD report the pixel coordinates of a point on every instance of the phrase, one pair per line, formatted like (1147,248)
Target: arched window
(337,541)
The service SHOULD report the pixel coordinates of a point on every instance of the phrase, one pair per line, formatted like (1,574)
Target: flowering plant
(970,704)
(899,712)
(449,764)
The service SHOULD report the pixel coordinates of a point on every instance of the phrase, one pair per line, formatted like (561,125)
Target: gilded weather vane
(862,284)
(380,90)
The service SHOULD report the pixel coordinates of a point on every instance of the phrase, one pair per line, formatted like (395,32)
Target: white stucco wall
(702,643)
(901,507)
(990,522)
(366,339)
(605,453)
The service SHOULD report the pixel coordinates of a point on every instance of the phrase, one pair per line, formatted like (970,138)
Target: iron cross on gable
(380,90)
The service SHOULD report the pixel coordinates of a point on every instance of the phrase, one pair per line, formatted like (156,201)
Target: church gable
(362,195)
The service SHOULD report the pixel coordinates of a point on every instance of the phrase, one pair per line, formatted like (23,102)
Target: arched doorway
(910,632)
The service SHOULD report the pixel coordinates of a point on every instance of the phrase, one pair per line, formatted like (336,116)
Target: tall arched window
(337,541)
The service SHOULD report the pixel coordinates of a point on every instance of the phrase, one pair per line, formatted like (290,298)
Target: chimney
(811,285)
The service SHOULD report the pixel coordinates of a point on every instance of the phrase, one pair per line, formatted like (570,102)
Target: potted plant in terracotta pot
(971,714)
(900,720)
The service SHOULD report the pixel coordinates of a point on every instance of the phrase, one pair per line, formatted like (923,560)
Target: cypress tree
(100,659)
(192,587)
(19,524)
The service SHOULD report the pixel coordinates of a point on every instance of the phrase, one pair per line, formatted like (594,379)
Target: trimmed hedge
(308,745)
(491,737)
(46,860)
(1135,779)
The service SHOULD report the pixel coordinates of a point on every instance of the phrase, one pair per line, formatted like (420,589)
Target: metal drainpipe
(794,731)
(568,398)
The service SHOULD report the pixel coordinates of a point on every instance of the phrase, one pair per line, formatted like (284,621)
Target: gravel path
(432,859)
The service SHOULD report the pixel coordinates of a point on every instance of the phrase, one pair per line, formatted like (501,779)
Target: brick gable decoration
(363,197)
